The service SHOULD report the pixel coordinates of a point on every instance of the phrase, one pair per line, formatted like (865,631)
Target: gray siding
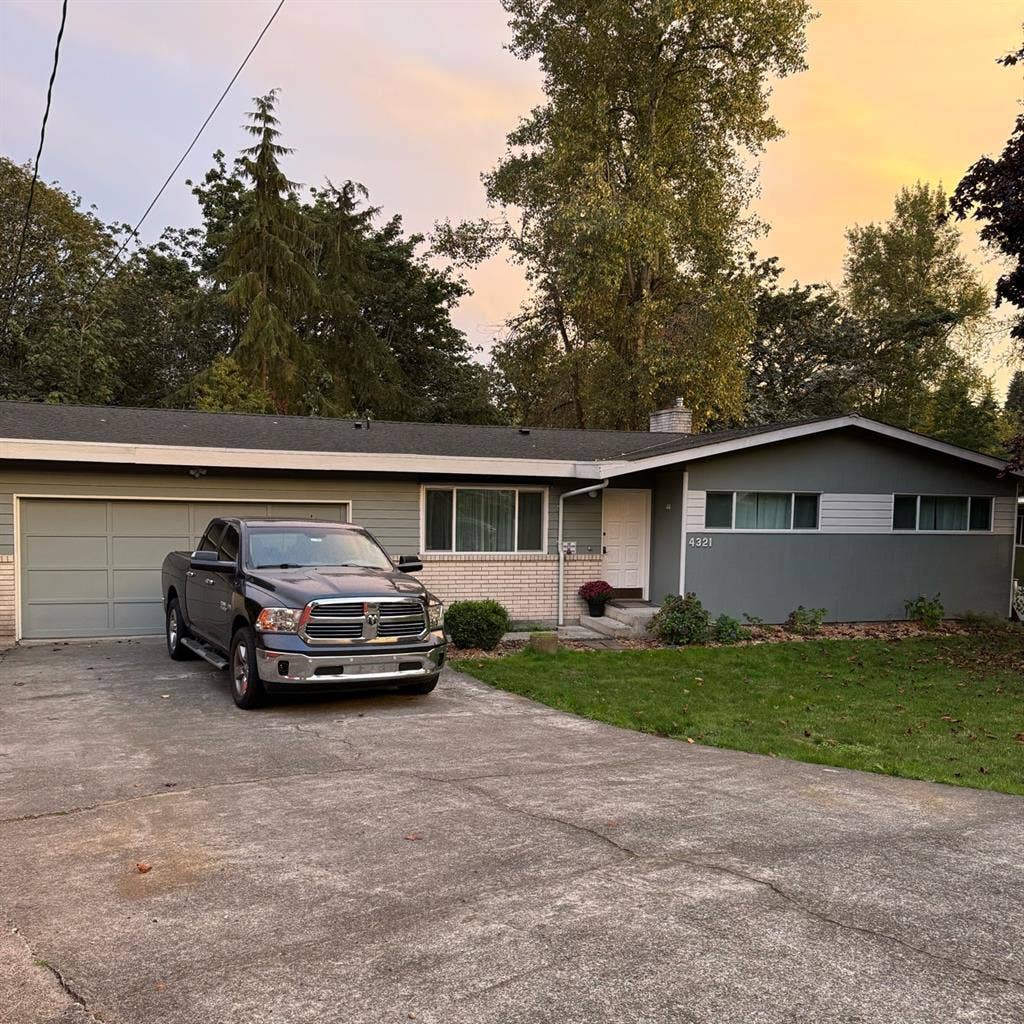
(856,575)
(582,520)
(666,510)
(845,463)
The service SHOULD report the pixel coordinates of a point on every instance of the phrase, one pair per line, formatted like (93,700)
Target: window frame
(916,528)
(785,530)
(455,488)
(1019,531)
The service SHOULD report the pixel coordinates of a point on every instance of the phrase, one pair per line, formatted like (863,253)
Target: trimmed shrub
(478,624)
(728,630)
(806,621)
(681,620)
(927,610)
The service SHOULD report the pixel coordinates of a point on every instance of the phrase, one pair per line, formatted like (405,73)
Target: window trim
(454,488)
(1018,533)
(916,528)
(785,530)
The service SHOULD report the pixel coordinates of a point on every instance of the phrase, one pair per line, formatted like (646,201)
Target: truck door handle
(209,581)
(190,572)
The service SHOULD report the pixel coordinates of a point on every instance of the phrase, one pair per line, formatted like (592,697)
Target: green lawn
(944,708)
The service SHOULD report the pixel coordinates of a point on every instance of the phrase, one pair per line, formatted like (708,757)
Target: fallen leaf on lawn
(413,837)
(142,867)
(688,740)
(612,824)
(159,985)
(1019,737)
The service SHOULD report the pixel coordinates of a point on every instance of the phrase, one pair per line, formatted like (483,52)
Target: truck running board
(215,658)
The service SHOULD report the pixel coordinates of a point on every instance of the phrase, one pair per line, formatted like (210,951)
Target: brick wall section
(6,600)
(527,585)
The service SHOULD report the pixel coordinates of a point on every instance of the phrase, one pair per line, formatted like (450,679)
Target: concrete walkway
(467,858)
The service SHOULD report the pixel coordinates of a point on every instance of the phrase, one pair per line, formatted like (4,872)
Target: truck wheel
(416,689)
(176,632)
(246,685)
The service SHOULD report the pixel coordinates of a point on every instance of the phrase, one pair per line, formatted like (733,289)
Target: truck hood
(297,587)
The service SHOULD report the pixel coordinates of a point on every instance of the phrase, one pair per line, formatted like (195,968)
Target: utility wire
(35,170)
(191,145)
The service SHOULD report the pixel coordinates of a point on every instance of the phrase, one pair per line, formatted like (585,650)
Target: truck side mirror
(409,563)
(209,561)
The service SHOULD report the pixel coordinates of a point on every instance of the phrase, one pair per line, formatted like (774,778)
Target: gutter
(561,549)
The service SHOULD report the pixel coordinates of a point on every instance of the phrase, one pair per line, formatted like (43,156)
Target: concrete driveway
(467,857)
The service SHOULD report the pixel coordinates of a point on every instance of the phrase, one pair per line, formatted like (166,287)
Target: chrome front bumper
(354,669)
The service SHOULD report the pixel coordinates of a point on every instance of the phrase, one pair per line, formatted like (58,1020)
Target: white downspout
(561,549)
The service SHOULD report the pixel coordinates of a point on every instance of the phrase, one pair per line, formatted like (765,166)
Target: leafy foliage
(728,630)
(805,621)
(479,624)
(681,620)
(928,610)
(622,196)
(992,191)
(283,301)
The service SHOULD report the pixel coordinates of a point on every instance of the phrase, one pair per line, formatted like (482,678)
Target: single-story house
(842,513)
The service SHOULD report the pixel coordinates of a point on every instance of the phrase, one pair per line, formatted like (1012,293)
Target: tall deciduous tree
(622,196)
(992,191)
(921,303)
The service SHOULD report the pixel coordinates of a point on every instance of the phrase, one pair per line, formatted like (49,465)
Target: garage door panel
(62,552)
(69,584)
(330,513)
(91,567)
(58,619)
(135,584)
(138,617)
(145,552)
(203,512)
(154,519)
(59,518)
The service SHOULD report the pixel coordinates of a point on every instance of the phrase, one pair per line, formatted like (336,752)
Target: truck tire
(246,686)
(176,632)
(418,689)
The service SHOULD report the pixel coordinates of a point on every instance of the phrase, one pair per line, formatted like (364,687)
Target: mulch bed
(889,631)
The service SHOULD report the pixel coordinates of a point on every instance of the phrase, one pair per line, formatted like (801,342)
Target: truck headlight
(435,614)
(279,620)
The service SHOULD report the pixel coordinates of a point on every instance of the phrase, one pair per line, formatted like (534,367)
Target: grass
(948,708)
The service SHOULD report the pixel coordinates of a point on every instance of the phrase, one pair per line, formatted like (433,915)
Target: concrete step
(606,626)
(635,615)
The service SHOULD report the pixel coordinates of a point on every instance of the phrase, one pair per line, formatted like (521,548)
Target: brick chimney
(676,420)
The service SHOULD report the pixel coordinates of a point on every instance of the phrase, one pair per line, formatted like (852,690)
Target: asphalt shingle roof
(35,421)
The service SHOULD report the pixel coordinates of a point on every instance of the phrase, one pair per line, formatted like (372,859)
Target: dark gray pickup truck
(290,605)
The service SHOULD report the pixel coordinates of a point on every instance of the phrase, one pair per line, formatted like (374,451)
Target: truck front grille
(365,621)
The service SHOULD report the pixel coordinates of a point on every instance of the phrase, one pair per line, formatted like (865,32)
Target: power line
(35,169)
(191,145)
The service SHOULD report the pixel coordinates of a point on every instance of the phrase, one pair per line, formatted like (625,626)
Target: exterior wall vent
(675,420)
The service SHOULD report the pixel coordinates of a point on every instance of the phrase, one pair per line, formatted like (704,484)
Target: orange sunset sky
(414,97)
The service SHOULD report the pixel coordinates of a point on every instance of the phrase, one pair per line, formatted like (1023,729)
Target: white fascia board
(246,458)
(620,467)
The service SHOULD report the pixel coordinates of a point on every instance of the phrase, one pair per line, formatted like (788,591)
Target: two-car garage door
(92,568)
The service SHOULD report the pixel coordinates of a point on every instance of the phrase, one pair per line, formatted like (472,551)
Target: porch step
(635,615)
(606,626)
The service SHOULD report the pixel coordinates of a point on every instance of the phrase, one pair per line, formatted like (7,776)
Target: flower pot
(596,609)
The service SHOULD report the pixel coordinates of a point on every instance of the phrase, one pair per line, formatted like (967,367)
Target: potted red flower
(597,593)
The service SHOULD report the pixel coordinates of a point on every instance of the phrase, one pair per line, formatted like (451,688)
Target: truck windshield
(287,547)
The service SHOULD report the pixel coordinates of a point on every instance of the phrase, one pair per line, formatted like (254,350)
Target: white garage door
(92,568)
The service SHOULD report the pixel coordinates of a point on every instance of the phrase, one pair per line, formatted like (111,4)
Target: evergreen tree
(266,267)
(1015,396)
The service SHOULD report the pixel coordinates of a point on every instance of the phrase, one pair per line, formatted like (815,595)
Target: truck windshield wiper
(280,565)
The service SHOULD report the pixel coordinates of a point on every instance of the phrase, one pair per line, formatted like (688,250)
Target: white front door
(625,525)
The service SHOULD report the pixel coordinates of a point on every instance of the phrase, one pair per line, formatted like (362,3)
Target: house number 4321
(701,542)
